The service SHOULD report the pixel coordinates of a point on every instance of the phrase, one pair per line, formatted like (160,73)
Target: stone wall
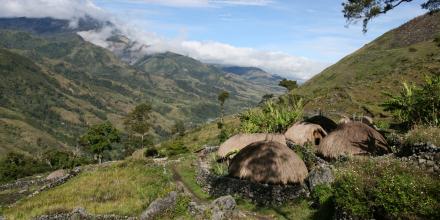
(80,213)
(426,156)
(263,194)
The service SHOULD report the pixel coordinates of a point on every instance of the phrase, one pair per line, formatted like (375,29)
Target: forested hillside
(55,85)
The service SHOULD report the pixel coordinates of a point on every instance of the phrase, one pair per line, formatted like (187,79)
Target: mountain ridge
(91,84)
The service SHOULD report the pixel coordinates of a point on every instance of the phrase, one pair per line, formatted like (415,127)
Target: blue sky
(295,39)
(312,29)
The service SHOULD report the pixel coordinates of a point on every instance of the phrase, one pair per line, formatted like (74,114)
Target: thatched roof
(364,119)
(326,123)
(239,141)
(304,132)
(353,138)
(268,162)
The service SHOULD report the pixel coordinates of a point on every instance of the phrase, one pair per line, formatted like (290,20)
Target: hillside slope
(357,83)
(56,85)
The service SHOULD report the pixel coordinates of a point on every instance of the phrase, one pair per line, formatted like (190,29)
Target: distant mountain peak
(49,25)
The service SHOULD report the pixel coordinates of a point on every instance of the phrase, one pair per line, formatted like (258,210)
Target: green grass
(371,187)
(188,174)
(298,210)
(122,188)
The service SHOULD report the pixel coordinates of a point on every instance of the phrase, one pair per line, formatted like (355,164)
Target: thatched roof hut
(304,132)
(353,138)
(326,123)
(268,162)
(239,141)
(364,119)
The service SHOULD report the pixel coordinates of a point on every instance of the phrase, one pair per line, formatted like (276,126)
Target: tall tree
(222,96)
(288,84)
(365,10)
(99,138)
(179,128)
(138,121)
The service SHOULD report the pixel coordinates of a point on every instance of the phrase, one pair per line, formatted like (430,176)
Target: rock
(430,163)
(225,203)
(56,175)
(79,213)
(2,218)
(159,205)
(320,175)
(196,209)
(223,208)
(422,161)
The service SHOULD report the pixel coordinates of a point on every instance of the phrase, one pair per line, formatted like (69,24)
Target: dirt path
(178,179)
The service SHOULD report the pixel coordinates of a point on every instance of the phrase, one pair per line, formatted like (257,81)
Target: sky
(295,39)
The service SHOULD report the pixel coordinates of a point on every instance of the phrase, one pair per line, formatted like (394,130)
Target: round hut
(239,141)
(326,123)
(353,138)
(268,162)
(303,132)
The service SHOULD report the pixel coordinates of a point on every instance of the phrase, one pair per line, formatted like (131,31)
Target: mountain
(55,84)
(254,75)
(357,83)
(51,26)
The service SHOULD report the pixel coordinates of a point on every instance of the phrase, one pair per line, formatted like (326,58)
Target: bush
(151,152)
(272,117)
(15,166)
(437,40)
(423,134)
(173,147)
(417,105)
(412,49)
(383,189)
(323,194)
(63,160)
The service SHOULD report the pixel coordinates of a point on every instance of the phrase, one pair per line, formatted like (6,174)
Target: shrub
(379,189)
(323,194)
(412,49)
(57,159)
(173,147)
(423,134)
(417,105)
(272,117)
(15,166)
(218,168)
(437,40)
(151,152)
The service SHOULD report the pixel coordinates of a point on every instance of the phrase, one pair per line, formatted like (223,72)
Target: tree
(138,121)
(265,98)
(222,96)
(178,128)
(365,10)
(288,84)
(99,138)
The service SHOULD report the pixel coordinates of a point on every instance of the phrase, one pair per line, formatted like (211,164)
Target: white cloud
(61,9)
(209,51)
(220,53)
(205,3)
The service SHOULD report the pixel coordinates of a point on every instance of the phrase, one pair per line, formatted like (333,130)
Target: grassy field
(121,188)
